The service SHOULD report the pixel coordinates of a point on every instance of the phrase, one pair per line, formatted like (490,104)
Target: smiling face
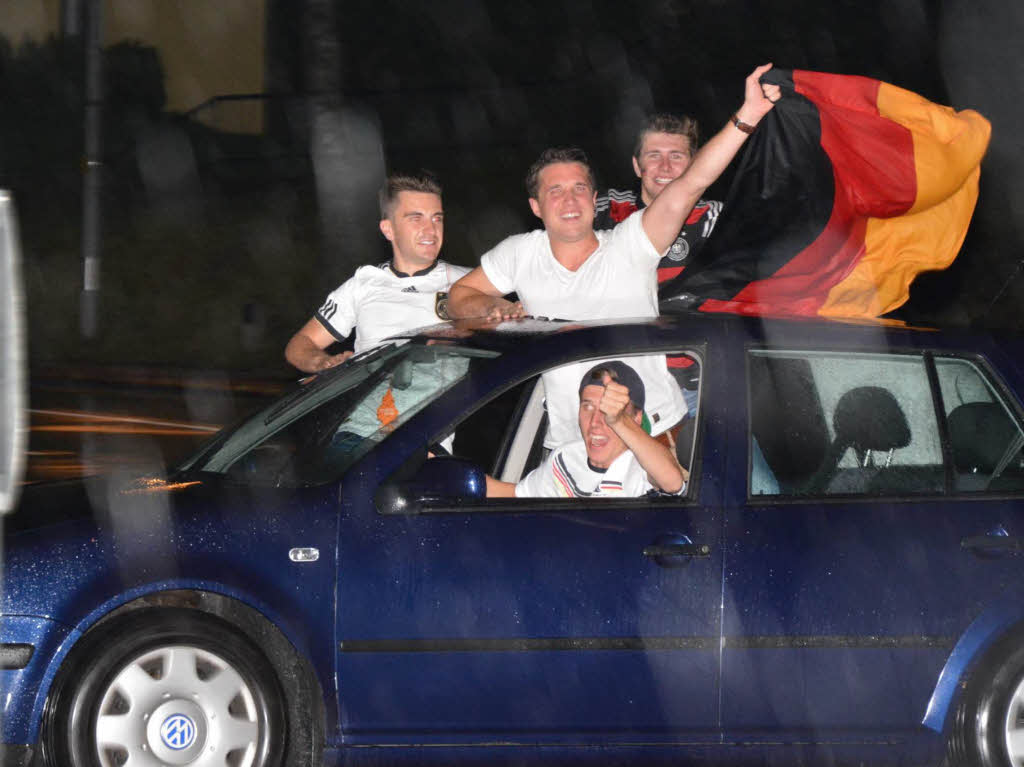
(565,201)
(415,229)
(662,158)
(603,445)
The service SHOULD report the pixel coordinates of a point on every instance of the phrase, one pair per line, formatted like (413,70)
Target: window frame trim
(989,373)
(698,351)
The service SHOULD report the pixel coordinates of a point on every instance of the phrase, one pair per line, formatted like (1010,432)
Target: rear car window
(826,423)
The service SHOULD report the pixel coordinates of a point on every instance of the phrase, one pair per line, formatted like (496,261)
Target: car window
(313,436)
(485,435)
(827,423)
(824,423)
(985,439)
(512,452)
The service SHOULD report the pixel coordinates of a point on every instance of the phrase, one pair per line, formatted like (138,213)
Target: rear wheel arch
(989,690)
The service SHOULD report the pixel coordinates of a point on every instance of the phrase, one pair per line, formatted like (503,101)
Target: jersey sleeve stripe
(329,327)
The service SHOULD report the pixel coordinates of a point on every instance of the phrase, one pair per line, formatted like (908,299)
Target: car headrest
(870,418)
(979,433)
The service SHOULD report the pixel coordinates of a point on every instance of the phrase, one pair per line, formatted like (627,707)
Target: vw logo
(178,732)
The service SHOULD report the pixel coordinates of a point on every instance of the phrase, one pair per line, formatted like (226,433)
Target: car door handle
(677,550)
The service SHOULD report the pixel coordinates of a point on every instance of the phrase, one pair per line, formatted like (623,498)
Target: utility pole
(92,170)
(71,18)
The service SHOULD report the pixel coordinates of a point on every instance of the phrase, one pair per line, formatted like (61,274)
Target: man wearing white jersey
(615,458)
(407,292)
(568,270)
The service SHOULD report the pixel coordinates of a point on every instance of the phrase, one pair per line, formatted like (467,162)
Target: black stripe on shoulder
(329,327)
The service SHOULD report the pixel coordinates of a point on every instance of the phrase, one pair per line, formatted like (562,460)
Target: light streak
(123,419)
(156,485)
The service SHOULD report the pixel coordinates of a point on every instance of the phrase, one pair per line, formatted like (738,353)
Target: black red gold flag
(848,190)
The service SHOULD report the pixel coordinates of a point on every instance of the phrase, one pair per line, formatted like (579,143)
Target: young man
(406,292)
(664,148)
(615,458)
(570,271)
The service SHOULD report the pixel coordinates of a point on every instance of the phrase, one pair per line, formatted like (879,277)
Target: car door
(530,620)
(855,544)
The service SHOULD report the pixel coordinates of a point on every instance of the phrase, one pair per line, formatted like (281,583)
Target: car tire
(166,686)
(988,725)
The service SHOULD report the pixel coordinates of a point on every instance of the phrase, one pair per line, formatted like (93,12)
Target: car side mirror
(442,481)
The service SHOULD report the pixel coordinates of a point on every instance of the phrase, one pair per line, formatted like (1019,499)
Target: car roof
(500,336)
(532,334)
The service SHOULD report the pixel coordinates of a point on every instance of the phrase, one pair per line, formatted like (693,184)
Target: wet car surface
(841,580)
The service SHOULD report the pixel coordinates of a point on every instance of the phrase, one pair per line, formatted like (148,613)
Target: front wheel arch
(277,677)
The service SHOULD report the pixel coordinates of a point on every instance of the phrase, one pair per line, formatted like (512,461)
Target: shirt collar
(420,273)
(639,192)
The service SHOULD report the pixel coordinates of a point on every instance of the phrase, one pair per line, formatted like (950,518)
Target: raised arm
(663,470)
(667,213)
(305,350)
(475,296)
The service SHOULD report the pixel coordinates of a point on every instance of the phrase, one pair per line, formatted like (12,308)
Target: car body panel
(206,536)
(456,582)
(813,629)
(505,597)
(848,621)
(1001,617)
(49,640)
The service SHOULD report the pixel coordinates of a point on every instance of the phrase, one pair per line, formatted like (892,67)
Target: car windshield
(315,433)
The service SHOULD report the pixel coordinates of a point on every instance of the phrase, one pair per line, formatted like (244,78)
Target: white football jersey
(377,302)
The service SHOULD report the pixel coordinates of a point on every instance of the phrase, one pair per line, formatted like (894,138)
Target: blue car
(841,582)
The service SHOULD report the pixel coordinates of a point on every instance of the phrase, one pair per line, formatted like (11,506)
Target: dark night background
(217,246)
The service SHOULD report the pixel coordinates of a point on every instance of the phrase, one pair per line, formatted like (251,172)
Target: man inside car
(616,456)
(379,300)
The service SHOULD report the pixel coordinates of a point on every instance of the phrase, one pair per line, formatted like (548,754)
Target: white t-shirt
(377,302)
(617,280)
(567,474)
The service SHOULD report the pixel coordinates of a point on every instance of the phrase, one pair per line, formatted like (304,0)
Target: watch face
(441,306)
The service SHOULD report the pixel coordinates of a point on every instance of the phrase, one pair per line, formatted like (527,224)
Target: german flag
(848,190)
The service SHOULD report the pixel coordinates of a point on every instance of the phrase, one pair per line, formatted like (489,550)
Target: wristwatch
(441,305)
(740,125)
